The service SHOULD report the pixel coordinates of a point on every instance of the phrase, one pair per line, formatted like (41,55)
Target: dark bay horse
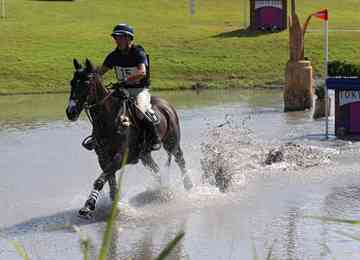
(111,146)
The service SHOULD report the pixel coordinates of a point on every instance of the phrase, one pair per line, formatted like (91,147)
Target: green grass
(39,39)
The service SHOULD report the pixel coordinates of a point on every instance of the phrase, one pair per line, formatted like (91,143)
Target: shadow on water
(66,219)
(156,196)
(60,221)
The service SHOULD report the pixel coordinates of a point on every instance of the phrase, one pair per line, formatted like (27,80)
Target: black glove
(121,92)
(119,85)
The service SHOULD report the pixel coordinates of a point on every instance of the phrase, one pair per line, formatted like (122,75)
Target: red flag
(322,14)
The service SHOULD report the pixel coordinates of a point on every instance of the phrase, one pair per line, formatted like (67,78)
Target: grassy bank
(39,39)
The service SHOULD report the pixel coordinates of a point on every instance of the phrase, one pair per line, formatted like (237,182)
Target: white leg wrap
(94,195)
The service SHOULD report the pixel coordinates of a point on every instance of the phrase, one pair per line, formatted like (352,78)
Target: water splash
(233,153)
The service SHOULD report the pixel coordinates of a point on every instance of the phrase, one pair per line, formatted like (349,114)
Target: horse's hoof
(187,183)
(85,213)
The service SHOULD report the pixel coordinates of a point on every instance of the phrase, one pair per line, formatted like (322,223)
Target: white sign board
(349,96)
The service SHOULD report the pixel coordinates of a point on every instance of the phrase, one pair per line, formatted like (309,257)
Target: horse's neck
(101,91)
(104,114)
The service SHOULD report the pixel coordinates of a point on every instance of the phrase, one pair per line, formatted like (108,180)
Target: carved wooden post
(298,90)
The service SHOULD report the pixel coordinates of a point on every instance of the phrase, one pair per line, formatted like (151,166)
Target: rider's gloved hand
(120,91)
(119,85)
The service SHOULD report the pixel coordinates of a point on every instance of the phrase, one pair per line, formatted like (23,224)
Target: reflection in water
(24,111)
(13,125)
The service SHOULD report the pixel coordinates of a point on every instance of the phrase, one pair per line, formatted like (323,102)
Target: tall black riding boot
(155,136)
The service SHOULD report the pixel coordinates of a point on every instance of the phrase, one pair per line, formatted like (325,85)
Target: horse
(118,145)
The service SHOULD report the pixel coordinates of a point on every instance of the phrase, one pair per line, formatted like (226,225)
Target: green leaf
(20,249)
(170,246)
(268,257)
(85,242)
(255,256)
(347,221)
(348,235)
(106,241)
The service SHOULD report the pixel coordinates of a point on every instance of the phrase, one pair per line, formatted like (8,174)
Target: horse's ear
(89,66)
(77,65)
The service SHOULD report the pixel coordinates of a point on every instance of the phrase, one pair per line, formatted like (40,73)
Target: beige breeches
(142,97)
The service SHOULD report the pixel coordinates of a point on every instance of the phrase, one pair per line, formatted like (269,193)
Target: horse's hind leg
(113,186)
(149,162)
(180,161)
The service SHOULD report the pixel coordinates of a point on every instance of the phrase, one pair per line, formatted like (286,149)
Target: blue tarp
(343,83)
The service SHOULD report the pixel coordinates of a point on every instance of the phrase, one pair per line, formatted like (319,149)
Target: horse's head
(83,89)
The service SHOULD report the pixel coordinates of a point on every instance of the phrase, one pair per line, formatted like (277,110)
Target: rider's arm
(103,69)
(138,74)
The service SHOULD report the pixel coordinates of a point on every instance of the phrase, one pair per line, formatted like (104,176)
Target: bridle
(93,83)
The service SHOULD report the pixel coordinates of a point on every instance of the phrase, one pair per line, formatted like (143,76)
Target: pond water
(47,175)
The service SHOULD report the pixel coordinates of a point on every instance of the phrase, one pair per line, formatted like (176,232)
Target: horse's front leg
(109,169)
(90,204)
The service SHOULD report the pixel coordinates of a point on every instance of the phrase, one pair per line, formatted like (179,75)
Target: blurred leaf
(85,242)
(170,246)
(353,222)
(20,249)
(106,241)
(348,235)
(255,256)
(268,257)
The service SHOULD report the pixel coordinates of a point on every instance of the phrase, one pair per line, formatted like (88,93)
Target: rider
(131,68)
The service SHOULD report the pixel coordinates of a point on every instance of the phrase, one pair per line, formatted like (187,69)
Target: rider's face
(122,41)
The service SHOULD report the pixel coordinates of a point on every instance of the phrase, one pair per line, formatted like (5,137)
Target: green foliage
(320,91)
(343,69)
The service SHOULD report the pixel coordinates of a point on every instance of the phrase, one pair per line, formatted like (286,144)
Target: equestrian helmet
(123,29)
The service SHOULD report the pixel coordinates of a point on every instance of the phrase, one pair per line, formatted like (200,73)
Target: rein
(87,107)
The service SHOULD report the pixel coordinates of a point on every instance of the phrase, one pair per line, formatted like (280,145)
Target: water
(46,177)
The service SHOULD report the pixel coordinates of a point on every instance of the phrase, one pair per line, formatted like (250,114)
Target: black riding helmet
(123,29)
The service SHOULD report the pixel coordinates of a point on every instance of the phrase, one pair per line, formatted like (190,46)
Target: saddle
(127,116)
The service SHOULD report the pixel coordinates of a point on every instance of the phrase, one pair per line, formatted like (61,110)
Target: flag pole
(326,61)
